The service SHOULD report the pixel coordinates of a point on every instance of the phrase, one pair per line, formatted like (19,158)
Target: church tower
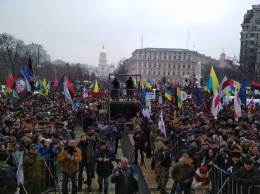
(102,65)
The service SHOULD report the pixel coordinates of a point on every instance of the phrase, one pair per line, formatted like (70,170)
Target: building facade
(250,34)
(174,65)
(102,65)
(36,50)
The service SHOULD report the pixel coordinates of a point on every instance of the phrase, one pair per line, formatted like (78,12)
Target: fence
(221,183)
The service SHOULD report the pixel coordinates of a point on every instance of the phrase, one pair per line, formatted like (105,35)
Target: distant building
(111,68)
(36,50)
(93,69)
(250,34)
(222,60)
(58,62)
(102,65)
(175,65)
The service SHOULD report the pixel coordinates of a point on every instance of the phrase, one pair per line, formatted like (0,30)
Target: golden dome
(103,51)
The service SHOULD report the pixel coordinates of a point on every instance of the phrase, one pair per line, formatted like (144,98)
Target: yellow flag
(96,87)
(175,116)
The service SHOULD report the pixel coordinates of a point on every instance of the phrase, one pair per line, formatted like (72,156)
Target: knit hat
(203,169)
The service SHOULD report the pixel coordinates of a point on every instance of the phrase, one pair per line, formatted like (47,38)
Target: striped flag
(237,107)
(168,94)
(251,108)
(216,104)
(179,98)
(224,87)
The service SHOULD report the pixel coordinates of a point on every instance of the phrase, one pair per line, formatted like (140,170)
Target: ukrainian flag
(96,89)
(149,83)
(135,175)
(168,94)
(44,89)
(135,85)
(179,99)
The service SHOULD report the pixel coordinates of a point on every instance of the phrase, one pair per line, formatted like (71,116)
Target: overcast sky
(75,30)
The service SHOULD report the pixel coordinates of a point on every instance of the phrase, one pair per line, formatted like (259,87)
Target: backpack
(166,157)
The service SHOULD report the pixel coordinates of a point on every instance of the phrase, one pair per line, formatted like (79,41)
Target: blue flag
(242,93)
(197,95)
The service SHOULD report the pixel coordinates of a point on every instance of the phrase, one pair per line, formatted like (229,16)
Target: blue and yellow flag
(149,83)
(96,89)
(44,89)
(179,98)
(135,84)
(168,94)
(135,175)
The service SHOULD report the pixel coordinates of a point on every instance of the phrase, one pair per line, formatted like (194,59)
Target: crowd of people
(40,129)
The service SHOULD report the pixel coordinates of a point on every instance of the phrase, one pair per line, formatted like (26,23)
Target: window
(179,66)
(174,66)
(149,72)
(150,57)
(183,73)
(159,65)
(163,72)
(179,73)
(140,56)
(144,72)
(188,73)
(245,28)
(252,43)
(174,57)
(165,57)
(159,73)
(188,66)
(257,11)
(150,65)
(252,35)
(257,21)
(154,57)
(253,27)
(170,58)
(169,65)
(169,73)
(164,65)
(183,66)
(179,57)
(144,56)
(173,72)
(154,72)
(154,65)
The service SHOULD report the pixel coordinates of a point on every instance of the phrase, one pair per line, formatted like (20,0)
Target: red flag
(72,92)
(55,82)
(10,81)
(237,107)
(251,108)
(63,89)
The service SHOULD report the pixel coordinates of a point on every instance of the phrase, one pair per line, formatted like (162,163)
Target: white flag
(161,124)
(19,173)
(216,104)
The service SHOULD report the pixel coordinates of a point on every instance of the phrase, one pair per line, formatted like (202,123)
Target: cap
(32,146)
(162,134)
(13,142)
(44,131)
(203,169)
(27,140)
(248,161)
(103,143)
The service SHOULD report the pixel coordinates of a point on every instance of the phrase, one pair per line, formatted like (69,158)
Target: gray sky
(75,30)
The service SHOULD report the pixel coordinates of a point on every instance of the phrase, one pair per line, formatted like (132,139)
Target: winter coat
(33,167)
(158,145)
(7,178)
(120,185)
(69,166)
(104,168)
(182,172)
(87,154)
(200,189)
(153,136)
(247,178)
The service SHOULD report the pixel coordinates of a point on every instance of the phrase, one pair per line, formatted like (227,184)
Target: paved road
(146,176)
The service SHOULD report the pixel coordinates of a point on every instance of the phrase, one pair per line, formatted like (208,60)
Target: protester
(246,176)
(125,178)
(69,159)
(201,182)
(34,170)
(183,173)
(103,159)
(8,181)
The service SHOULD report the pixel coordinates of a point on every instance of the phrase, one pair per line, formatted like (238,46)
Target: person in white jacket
(201,183)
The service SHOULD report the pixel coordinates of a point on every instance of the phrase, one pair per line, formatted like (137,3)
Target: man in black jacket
(125,178)
(103,158)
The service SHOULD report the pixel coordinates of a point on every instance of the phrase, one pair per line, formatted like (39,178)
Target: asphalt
(146,176)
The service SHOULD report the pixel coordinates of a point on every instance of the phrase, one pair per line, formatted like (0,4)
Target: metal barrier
(177,148)
(50,183)
(122,94)
(78,119)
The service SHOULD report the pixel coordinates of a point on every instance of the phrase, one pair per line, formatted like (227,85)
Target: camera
(71,150)
(117,160)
